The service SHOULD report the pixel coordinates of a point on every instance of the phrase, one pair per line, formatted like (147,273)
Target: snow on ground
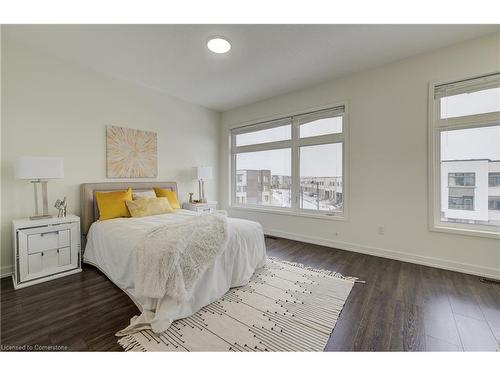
(281,198)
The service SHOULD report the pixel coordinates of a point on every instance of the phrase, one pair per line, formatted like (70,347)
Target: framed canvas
(131,153)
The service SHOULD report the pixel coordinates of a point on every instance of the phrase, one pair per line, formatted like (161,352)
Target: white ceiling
(266,60)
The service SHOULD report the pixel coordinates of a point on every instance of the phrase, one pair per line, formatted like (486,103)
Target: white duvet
(110,244)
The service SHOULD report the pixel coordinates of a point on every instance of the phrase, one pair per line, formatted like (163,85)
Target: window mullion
(472,121)
(321,139)
(295,165)
(263,147)
(232,185)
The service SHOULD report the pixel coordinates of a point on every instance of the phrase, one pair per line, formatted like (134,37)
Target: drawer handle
(45,233)
(57,251)
(42,253)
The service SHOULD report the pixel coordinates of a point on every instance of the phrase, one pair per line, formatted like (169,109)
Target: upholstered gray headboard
(89,212)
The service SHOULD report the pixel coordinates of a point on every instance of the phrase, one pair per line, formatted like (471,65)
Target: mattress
(110,246)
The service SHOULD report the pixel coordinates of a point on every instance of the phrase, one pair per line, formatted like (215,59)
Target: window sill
(320,216)
(443,228)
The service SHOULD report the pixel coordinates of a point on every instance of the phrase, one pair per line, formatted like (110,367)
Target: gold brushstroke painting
(131,153)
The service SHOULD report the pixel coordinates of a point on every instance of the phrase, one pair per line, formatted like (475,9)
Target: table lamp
(203,173)
(39,169)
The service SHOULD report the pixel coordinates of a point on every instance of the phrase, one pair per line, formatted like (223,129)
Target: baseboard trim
(391,254)
(6,271)
(492,273)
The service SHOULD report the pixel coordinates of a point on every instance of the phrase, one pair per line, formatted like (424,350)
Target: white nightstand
(45,249)
(201,208)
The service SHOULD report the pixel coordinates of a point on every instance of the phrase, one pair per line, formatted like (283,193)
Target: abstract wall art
(131,153)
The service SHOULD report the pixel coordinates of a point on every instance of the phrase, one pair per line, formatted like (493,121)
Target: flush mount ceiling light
(218,44)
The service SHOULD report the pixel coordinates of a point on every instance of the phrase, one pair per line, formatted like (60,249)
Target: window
(258,167)
(278,133)
(461,179)
(294,164)
(494,203)
(468,104)
(461,203)
(465,146)
(312,126)
(494,179)
(321,164)
(461,199)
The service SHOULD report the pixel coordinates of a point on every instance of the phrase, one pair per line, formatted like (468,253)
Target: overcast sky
(278,161)
(484,101)
(479,143)
(315,161)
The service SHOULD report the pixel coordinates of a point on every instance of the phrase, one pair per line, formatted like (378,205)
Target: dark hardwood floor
(402,307)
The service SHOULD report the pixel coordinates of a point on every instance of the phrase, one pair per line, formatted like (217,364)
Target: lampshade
(39,167)
(204,173)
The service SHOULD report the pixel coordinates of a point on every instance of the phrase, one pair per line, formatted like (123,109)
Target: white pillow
(143,194)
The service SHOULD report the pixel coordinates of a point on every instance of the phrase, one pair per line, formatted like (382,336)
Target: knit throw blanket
(172,257)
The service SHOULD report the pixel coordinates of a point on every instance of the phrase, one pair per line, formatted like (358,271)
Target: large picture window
(465,146)
(295,164)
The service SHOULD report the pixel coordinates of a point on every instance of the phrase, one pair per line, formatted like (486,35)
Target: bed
(110,245)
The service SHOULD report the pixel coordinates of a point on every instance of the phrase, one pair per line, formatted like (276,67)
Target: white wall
(1,120)
(388,144)
(53,108)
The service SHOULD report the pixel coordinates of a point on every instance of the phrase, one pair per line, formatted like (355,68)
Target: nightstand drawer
(48,240)
(46,262)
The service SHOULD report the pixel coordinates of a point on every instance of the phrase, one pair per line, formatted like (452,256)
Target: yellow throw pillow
(170,195)
(112,204)
(149,207)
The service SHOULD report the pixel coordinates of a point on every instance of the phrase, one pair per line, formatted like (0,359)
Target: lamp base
(40,217)
(45,209)
(201,191)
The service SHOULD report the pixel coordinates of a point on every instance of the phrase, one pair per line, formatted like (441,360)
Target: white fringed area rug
(285,307)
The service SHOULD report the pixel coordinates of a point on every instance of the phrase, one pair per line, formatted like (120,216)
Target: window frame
(494,198)
(341,109)
(496,176)
(435,127)
(463,198)
(313,211)
(464,177)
